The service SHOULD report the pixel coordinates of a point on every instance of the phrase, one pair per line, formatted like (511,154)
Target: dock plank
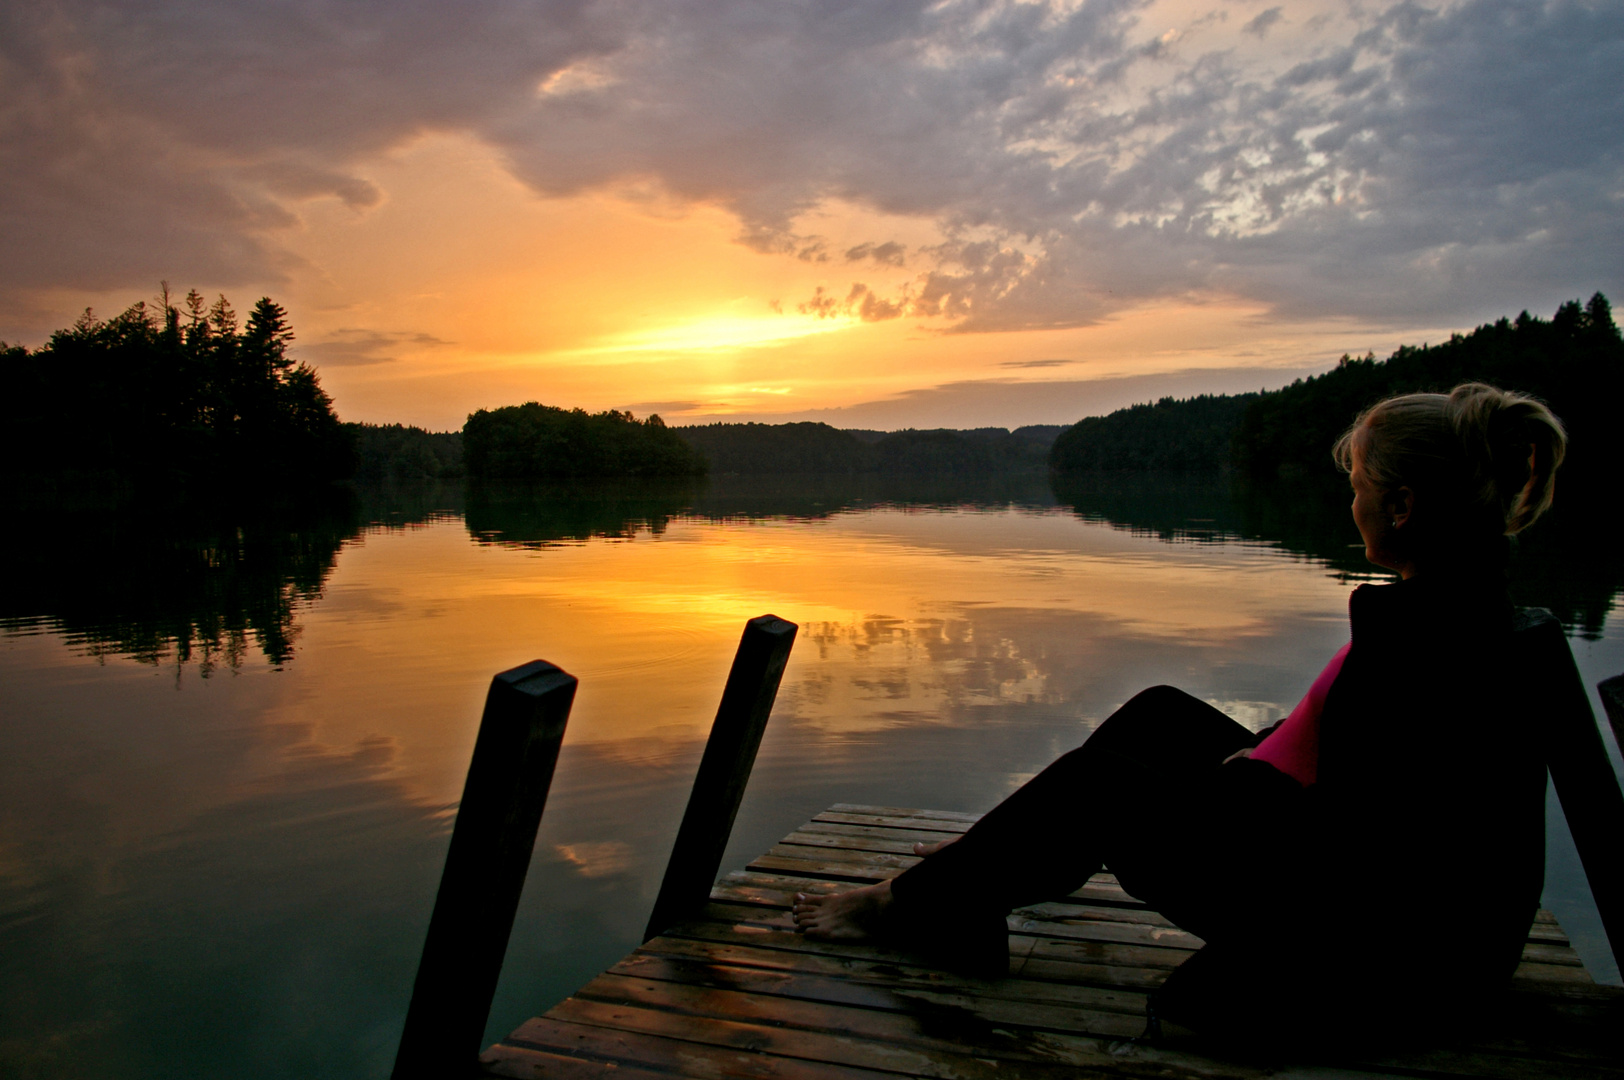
(734,993)
(1127,965)
(730,1058)
(994,1002)
(871,972)
(757,1046)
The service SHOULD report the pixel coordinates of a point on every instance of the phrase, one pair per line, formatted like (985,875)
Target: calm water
(230,746)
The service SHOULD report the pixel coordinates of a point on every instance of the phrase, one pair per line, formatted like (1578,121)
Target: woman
(1400,802)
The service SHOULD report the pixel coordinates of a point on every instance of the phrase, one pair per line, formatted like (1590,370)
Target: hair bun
(1490,452)
(1514,444)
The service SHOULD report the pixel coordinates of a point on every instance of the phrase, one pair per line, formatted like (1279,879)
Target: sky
(876,213)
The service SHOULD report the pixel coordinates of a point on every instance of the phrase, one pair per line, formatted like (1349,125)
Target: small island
(535,441)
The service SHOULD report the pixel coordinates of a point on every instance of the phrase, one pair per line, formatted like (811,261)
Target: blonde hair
(1487,455)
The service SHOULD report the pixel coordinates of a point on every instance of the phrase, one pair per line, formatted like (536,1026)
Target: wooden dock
(734,992)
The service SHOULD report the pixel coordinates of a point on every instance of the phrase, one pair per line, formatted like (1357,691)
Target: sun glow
(465,290)
(722,333)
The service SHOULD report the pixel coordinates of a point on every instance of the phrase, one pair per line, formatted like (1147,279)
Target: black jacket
(1431,792)
(1418,856)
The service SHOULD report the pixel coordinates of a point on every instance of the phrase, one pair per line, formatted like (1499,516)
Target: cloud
(355,348)
(1438,163)
(177,140)
(889,253)
(860,303)
(1394,164)
(973,403)
(1261,23)
(663,408)
(1036,363)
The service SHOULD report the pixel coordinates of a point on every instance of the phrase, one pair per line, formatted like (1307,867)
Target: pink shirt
(1293,747)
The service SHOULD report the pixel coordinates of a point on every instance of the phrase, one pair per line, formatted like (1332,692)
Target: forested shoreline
(180,397)
(174,397)
(1573,361)
(768,449)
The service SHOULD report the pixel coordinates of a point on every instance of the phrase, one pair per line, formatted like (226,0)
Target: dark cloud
(354,348)
(175,140)
(1036,363)
(1260,24)
(1400,164)
(664,408)
(889,253)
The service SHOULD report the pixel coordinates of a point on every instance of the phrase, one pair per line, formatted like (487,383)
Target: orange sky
(463,289)
(903,215)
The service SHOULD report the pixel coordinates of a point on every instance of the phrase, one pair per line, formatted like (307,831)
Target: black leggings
(1146,795)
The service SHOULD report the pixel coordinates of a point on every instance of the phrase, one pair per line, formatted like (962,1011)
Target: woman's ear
(1399,504)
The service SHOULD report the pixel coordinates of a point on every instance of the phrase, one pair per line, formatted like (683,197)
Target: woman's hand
(1245,751)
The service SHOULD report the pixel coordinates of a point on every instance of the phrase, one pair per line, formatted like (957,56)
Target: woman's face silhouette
(1381,517)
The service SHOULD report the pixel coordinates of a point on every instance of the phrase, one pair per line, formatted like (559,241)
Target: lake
(231,742)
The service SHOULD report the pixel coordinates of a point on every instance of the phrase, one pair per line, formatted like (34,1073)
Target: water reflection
(242,870)
(540,514)
(807,497)
(210,586)
(1570,562)
(185,585)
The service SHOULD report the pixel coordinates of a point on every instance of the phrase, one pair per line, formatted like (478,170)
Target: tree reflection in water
(183,584)
(211,585)
(1570,562)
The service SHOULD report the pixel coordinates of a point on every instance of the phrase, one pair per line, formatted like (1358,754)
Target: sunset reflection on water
(197,862)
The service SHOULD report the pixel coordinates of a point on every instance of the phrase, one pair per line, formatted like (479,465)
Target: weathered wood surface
(734,992)
(724,771)
(515,752)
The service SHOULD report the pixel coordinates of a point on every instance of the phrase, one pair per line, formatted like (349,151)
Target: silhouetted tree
(1574,363)
(172,396)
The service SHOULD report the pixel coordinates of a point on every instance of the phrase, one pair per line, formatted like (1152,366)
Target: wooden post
(730,753)
(502,800)
(1584,778)
(1612,699)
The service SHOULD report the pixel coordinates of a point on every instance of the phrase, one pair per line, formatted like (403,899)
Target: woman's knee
(1162,715)
(1162,699)
(1153,706)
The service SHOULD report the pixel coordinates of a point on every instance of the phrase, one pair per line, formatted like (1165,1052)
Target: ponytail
(1487,456)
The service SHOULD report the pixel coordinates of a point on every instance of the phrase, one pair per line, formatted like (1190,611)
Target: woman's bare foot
(856,915)
(922,849)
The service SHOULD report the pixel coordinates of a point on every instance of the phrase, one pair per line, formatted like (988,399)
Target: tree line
(765,449)
(176,395)
(184,396)
(1194,433)
(533,441)
(1574,362)
(403,452)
